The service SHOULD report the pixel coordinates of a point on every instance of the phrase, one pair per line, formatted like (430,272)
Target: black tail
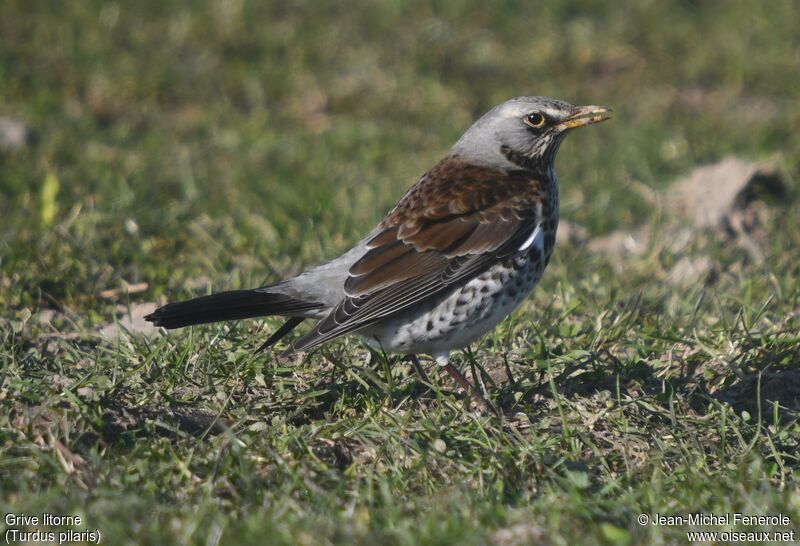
(234,305)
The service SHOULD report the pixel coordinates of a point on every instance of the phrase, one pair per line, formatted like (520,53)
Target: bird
(456,254)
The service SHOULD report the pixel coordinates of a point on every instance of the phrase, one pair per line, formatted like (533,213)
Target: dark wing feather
(454,224)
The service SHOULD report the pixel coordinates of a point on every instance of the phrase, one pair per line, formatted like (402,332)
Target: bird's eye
(535,120)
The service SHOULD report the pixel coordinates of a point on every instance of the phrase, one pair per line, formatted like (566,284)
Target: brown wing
(455,223)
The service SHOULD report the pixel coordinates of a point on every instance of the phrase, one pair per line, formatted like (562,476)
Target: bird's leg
(469,387)
(374,359)
(418,368)
(483,403)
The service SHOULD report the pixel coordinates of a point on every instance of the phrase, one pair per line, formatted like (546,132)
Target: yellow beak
(586,115)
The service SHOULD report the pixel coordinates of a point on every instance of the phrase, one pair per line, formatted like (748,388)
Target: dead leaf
(45,316)
(131,321)
(724,199)
(709,195)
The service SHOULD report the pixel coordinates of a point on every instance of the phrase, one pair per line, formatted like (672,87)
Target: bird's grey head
(524,132)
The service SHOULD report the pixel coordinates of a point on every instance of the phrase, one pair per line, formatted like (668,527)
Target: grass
(213,145)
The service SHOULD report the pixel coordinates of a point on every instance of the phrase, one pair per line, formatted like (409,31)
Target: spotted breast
(465,313)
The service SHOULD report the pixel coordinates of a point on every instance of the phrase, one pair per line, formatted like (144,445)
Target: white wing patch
(535,237)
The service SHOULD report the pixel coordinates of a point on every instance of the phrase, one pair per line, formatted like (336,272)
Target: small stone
(13,134)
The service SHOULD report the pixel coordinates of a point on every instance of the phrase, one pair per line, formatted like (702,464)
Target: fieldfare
(459,252)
